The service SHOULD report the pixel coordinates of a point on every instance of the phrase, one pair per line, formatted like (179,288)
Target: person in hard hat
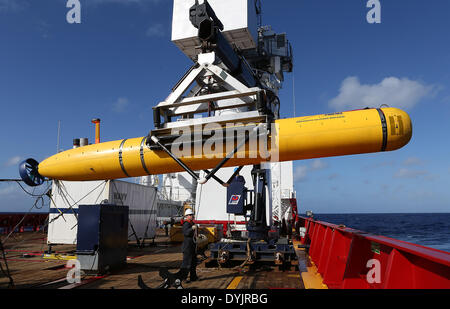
(189,264)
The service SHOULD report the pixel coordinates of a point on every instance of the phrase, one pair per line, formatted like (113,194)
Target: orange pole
(97,130)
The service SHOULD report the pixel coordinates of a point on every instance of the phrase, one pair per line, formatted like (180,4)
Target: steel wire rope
(7,273)
(131,224)
(86,195)
(198,211)
(61,214)
(150,216)
(38,197)
(31,194)
(64,197)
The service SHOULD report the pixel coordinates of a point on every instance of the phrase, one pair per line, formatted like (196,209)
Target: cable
(249,255)
(200,199)
(31,194)
(150,216)
(131,224)
(7,272)
(63,194)
(38,198)
(61,214)
(293,89)
(198,211)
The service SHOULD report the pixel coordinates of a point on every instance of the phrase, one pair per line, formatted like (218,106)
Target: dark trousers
(190,262)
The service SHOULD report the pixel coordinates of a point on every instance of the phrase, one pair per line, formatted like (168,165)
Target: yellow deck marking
(59,257)
(235,283)
(312,279)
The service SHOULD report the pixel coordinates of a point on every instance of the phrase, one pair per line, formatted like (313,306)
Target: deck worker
(189,264)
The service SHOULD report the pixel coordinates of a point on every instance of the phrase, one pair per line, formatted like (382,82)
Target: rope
(39,197)
(7,272)
(219,252)
(131,224)
(61,214)
(61,186)
(32,194)
(249,256)
(151,211)
(198,211)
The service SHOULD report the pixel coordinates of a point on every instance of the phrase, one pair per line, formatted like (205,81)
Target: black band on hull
(384,127)
(120,158)
(142,155)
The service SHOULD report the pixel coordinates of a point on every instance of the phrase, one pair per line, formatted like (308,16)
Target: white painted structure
(178,187)
(282,190)
(211,203)
(238,17)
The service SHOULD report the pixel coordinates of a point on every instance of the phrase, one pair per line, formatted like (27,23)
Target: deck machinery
(233,83)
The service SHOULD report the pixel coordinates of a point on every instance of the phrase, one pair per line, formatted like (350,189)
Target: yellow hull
(327,135)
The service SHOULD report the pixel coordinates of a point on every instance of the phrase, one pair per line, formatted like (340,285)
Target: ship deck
(30,269)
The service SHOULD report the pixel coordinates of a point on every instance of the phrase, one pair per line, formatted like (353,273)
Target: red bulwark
(352,259)
(22,222)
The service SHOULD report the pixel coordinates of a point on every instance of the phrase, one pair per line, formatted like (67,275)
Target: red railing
(352,259)
(22,222)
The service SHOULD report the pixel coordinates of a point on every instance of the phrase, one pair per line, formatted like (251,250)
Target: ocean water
(429,230)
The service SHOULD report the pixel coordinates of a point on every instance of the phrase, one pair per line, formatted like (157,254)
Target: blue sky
(119,62)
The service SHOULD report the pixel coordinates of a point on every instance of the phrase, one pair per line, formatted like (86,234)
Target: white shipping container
(68,195)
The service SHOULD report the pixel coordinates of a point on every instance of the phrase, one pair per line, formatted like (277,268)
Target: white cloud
(7,190)
(378,165)
(12,5)
(302,171)
(408,173)
(120,105)
(13,161)
(318,165)
(392,91)
(412,161)
(156,30)
(333,176)
(44,28)
(421,194)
